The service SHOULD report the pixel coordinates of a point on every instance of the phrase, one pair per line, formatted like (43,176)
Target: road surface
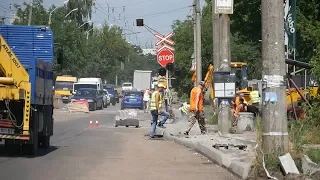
(107,153)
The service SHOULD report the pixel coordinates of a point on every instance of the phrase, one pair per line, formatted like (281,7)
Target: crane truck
(26,80)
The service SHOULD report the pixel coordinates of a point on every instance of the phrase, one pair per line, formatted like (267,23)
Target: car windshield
(85,92)
(126,84)
(63,85)
(136,94)
(78,86)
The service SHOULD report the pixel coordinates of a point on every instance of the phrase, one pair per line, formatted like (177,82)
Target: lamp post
(87,32)
(84,23)
(50,14)
(76,9)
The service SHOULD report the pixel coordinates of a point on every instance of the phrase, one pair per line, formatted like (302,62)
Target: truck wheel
(113,103)
(46,142)
(30,149)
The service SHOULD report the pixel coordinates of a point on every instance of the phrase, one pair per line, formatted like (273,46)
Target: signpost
(223,7)
(165,51)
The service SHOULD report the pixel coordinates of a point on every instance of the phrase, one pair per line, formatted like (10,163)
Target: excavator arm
(14,81)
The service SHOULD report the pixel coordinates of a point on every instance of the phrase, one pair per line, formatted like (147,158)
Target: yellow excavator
(237,68)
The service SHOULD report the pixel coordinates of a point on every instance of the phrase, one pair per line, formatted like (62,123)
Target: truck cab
(95,83)
(64,87)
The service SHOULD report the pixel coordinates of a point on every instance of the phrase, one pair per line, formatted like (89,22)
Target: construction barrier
(57,102)
(127,118)
(78,106)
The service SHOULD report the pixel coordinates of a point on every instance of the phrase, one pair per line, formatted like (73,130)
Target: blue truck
(26,86)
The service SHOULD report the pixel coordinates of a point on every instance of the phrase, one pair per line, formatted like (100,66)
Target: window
(78,86)
(85,92)
(63,85)
(126,84)
(136,94)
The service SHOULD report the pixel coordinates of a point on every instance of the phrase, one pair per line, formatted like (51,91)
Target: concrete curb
(235,166)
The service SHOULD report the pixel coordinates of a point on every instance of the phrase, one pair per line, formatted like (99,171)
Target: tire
(101,108)
(94,107)
(114,103)
(122,108)
(46,142)
(105,105)
(141,108)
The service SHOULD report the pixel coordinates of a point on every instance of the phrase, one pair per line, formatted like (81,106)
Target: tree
(39,13)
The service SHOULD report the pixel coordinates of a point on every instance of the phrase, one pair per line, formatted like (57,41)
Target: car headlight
(90,100)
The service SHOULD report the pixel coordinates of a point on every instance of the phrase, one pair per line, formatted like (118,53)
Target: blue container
(33,46)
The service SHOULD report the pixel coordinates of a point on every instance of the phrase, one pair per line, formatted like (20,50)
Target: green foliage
(314,155)
(97,54)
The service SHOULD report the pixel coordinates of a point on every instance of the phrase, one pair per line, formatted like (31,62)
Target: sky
(157,14)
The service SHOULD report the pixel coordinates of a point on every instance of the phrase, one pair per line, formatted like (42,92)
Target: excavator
(239,69)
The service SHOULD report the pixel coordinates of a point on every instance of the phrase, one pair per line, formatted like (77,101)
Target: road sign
(165,47)
(164,39)
(223,7)
(165,56)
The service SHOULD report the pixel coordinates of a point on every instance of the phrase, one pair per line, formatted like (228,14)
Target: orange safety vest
(193,97)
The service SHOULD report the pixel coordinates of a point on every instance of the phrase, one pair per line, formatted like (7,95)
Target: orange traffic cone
(90,124)
(97,123)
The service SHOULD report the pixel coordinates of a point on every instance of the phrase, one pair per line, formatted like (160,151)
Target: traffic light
(170,67)
(139,22)
(162,71)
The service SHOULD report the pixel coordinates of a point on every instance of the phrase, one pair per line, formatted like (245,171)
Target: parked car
(132,99)
(116,96)
(93,96)
(106,98)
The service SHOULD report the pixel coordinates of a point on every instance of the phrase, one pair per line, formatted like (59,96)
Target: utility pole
(198,42)
(274,116)
(194,17)
(216,37)
(30,13)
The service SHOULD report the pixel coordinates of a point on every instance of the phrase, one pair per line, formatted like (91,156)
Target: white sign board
(224,7)
(224,90)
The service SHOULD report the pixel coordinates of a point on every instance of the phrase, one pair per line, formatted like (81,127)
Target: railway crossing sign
(164,39)
(164,57)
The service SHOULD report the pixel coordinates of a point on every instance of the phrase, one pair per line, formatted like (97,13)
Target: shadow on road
(18,152)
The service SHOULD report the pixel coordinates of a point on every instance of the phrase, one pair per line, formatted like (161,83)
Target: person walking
(146,99)
(196,108)
(155,109)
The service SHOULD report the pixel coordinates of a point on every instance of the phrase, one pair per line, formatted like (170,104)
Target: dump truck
(26,81)
(64,87)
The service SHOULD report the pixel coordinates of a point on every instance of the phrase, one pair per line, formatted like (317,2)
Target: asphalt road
(105,152)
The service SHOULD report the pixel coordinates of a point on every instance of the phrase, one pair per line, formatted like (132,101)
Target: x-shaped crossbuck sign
(164,39)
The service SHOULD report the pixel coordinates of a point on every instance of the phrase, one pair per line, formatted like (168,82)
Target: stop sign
(165,56)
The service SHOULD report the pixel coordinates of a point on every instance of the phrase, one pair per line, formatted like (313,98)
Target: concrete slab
(288,164)
(127,122)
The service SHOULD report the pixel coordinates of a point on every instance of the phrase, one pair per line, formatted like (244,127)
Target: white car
(106,98)
(127,86)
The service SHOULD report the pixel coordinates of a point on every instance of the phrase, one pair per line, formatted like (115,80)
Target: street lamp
(84,23)
(76,9)
(87,32)
(50,14)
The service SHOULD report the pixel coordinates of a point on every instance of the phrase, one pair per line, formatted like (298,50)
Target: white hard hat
(161,85)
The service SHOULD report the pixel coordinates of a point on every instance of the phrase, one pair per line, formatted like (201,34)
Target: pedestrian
(156,109)
(255,98)
(196,108)
(146,99)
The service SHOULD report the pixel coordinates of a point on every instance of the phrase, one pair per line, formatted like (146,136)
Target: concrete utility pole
(30,13)
(194,17)
(216,38)
(274,116)
(224,114)
(198,42)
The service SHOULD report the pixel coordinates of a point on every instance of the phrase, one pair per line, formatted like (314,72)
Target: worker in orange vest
(196,108)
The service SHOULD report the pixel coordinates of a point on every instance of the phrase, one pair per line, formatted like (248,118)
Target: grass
(314,155)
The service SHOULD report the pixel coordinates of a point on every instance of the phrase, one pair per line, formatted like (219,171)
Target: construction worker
(255,98)
(196,108)
(155,109)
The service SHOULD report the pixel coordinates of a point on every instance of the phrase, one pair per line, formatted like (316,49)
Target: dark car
(111,91)
(93,96)
(132,99)
(116,95)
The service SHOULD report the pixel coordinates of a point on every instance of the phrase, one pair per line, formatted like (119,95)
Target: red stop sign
(165,56)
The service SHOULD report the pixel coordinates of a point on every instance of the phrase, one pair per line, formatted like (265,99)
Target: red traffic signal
(139,22)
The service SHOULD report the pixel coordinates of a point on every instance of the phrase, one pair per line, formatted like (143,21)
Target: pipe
(6,81)
(301,95)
